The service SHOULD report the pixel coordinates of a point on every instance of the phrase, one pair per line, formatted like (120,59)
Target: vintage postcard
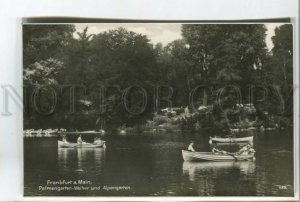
(158,109)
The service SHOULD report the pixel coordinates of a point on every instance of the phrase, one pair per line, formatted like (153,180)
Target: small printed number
(282,187)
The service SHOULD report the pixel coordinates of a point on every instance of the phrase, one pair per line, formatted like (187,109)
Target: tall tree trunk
(205,97)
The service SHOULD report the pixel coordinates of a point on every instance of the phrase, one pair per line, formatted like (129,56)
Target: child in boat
(191,148)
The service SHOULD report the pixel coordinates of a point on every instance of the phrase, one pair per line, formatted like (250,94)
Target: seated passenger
(64,139)
(191,148)
(97,140)
(79,140)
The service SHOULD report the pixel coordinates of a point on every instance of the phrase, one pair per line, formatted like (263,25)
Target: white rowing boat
(62,144)
(231,140)
(83,132)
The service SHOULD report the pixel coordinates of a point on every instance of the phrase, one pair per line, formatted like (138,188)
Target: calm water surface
(152,165)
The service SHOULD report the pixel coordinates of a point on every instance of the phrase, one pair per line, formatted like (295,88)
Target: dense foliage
(116,64)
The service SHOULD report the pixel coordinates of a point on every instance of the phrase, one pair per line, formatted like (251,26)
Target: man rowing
(246,150)
(217,151)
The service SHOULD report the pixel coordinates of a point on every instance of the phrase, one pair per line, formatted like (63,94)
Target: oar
(233,155)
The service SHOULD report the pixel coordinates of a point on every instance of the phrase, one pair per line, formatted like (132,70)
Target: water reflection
(223,178)
(195,169)
(80,159)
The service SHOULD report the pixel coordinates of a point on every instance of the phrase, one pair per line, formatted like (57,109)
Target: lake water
(152,165)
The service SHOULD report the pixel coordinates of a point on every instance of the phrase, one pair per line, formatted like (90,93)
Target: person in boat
(246,150)
(64,139)
(243,150)
(191,147)
(79,140)
(217,151)
(97,140)
(250,149)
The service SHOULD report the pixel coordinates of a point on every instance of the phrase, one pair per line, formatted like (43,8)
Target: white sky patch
(165,37)
(158,32)
(271,32)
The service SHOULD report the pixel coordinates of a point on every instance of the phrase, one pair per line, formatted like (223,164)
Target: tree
(115,59)
(174,69)
(44,55)
(224,55)
(120,54)
(41,42)
(44,72)
(283,54)
(228,53)
(280,71)
(78,54)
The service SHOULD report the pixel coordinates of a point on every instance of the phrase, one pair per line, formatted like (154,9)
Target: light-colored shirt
(244,151)
(98,141)
(79,140)
(190,148)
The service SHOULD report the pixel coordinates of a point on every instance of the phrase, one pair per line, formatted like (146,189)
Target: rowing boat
(210,156)
(90,132)
(62,144)
(231,140)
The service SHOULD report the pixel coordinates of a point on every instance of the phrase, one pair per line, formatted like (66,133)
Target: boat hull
(62,144)
(209,156)
(231,140)
(83,132)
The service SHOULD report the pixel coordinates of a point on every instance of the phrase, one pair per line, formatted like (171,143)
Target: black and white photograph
(158,109)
